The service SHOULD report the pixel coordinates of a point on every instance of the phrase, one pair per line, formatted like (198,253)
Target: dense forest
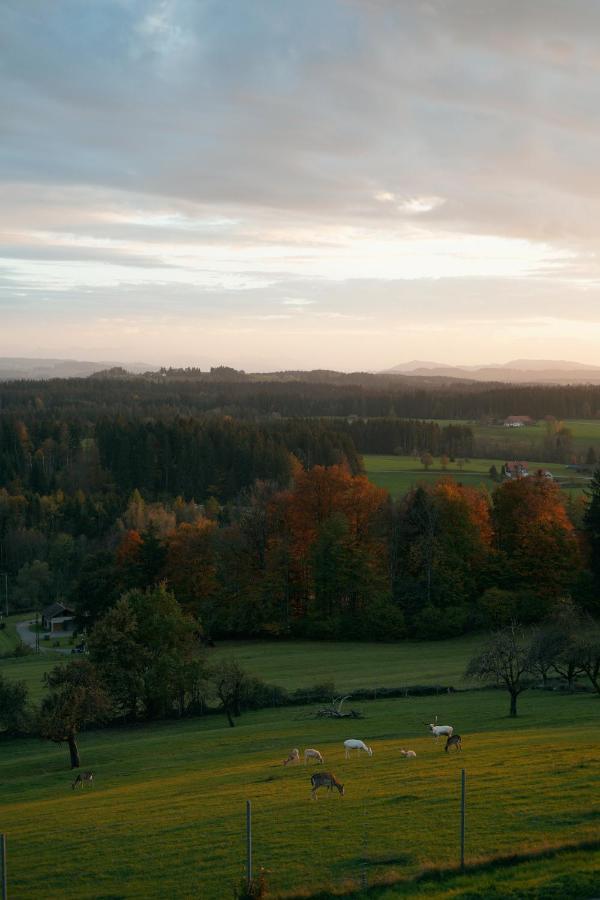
(173,394)
(263,524)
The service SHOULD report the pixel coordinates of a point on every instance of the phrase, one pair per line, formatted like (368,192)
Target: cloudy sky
(283,184)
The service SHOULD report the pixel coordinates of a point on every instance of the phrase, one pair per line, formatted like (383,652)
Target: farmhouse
(515,470)
(517,421)
(58,617)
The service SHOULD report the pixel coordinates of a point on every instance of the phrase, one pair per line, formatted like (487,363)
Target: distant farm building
(517,421)
(58,617)
(515,470)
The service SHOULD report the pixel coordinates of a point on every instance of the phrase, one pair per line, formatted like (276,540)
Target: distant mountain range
(17,367)
(516,371)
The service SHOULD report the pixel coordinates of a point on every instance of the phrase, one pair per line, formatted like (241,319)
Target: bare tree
(586,651)
(505,660)
(547,642)
(230,683)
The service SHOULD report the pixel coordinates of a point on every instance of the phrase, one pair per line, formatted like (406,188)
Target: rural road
(28,637)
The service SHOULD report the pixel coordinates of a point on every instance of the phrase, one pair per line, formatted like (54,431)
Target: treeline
(192,457)
(407,436)
(325,555)
(332,557)
(65,484)
(367,396)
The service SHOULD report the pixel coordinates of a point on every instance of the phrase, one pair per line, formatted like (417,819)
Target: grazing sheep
(312,754)
(293,757)
(408,754)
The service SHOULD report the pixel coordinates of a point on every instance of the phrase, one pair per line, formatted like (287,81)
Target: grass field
(301,664)
(398,474)
(8,635)
(166,816)
(585,433)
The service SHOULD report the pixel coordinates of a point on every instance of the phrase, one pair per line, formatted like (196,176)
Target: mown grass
(398,474)
(166,816)
(298,664)
(8,635)
(352,665)
(567,873)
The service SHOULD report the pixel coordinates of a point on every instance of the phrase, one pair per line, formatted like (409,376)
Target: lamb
(312,754)
(408,754)
(353,744)
(293,757)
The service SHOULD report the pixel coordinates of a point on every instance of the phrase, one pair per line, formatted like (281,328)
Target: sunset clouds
(337,182)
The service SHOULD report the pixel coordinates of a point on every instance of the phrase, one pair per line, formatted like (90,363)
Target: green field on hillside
(8,635)
(585,432)
(398,474)
(166,815)
(298,664)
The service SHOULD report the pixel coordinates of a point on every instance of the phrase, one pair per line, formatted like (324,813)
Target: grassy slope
(8,635)
(166,817)
(304,663)
(568,874)
(397,474)
(353,665)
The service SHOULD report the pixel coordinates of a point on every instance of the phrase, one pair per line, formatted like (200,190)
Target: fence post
(363,874)
(463,791)
(3,863)
(248,842)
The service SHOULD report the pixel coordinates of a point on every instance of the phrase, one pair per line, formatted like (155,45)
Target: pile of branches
(334,711)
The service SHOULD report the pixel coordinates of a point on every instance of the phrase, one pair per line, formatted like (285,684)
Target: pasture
(165,817)
(302,664)
(8,635)
(398,474)
(585,432)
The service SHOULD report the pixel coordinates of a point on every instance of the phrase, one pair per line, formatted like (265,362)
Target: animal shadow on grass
(400,798)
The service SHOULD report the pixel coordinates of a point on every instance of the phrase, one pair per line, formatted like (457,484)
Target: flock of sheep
(328,779)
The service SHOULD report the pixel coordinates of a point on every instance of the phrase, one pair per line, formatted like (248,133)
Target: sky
(271,184)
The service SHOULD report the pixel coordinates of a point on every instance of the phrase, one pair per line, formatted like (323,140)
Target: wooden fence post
(248,842)
(463,791)
(3,863)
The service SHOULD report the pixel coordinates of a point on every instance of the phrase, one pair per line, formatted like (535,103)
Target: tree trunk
(74,752)
(513,703)
(229,719)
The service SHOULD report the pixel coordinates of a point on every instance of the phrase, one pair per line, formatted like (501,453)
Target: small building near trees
(58,617)
(517,421)
(512,470)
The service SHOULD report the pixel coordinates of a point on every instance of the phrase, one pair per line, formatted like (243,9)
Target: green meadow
(166,815)
(300,664)
(398,474)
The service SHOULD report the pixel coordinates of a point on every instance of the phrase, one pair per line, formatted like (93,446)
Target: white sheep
(408,754)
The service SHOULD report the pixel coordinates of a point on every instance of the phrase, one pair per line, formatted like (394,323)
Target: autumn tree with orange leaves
(191,570)
(331,538)
(535,536)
